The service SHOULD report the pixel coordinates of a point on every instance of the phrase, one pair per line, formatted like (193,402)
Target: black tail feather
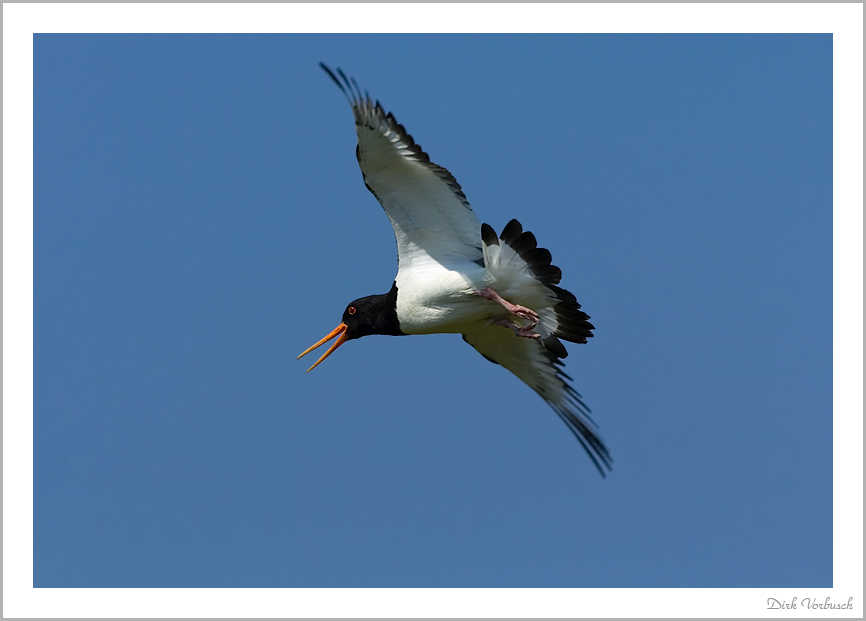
(573,323)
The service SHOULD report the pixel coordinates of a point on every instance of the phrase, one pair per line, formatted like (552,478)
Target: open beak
(338,331)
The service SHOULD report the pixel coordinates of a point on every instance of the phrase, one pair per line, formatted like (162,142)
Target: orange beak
(338,331)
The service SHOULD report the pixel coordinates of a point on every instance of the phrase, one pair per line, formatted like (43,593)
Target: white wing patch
(431,217)
(536,366)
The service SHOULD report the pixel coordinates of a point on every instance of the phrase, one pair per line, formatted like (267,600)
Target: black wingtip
(336,80)
(327,70)
(358,90)
(591,443)
(355,95)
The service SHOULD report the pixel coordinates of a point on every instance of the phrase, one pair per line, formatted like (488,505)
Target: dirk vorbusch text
(808,603)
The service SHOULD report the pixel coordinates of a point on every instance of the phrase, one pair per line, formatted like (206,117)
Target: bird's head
(374,314)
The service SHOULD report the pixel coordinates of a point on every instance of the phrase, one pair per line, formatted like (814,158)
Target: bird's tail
(516,249)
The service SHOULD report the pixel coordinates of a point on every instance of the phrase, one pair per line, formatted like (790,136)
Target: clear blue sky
(200,219)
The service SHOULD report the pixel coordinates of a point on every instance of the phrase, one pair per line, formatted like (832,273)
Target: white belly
(435,299)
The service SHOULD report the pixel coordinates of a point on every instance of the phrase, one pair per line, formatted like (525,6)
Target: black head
(374,314)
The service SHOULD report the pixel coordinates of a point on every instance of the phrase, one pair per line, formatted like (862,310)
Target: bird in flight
(456,275)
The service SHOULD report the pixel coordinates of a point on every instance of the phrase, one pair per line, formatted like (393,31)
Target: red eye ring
(352,310)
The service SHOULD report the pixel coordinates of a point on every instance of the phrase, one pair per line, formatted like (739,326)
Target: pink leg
(514,309)
(526,332)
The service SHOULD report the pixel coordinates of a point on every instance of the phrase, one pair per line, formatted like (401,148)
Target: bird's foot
(526,331)
(515,309)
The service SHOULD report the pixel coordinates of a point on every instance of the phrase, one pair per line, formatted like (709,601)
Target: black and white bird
(455,275)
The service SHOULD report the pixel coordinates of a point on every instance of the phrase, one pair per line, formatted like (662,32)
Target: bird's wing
(542,370)
(431,217)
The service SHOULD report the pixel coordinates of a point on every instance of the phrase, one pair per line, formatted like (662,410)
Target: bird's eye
(352,310)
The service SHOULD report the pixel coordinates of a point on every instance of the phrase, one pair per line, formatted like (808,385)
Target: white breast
(435,298)
(432,298)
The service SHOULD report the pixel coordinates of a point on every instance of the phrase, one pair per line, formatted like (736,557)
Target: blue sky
(199,220)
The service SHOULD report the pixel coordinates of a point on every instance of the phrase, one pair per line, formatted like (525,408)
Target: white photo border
(21,21)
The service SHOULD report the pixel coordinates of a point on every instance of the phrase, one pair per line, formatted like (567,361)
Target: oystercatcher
(456,275)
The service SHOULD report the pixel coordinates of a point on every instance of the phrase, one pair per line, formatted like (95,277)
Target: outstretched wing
(542,370)
(431,217)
